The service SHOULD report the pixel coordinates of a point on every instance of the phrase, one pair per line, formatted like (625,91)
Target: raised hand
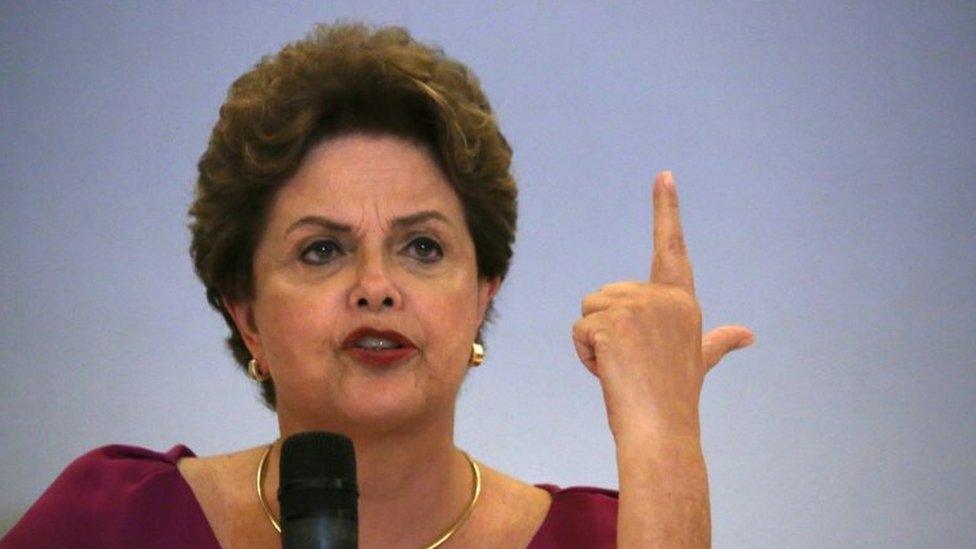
(643,340)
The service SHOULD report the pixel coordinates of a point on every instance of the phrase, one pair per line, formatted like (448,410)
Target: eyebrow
(400,222)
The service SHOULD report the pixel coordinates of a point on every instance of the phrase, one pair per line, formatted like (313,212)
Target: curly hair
(340,79)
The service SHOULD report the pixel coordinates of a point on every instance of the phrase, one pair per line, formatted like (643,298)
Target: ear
(243,314)
(487,289)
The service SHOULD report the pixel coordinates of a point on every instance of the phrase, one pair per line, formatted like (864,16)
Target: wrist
(650,425)
(634,411)
(675,464)
(659,446)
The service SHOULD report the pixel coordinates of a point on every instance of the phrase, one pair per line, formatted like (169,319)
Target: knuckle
(629,311)
(606,288)
(623,317)
(578,327)
(684,304)
(676,245)
(614,316)
(672,301)
(589,301)
(621,286)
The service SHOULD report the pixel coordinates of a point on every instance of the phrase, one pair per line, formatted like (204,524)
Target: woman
(353,222)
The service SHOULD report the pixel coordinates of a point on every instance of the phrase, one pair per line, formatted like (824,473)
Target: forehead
(350,176)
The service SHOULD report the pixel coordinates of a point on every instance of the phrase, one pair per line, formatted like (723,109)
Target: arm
(643,341)
(663,493)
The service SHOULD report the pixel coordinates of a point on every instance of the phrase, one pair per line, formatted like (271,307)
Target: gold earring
(477,354)
(252,370)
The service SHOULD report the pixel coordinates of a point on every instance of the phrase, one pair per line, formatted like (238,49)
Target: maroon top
(126,496)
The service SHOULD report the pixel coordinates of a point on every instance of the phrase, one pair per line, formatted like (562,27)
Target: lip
(356,335)
(385,357)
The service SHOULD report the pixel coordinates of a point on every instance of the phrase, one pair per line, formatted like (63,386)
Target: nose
(374,290)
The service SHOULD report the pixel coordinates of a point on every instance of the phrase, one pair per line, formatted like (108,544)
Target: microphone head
(317,474)
(316,455)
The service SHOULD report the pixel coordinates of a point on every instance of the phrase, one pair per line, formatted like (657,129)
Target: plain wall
(824,155)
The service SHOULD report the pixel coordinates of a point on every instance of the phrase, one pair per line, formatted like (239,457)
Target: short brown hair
(343,78)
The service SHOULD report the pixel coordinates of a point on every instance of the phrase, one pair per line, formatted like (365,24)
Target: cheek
(450,317)
(291,322)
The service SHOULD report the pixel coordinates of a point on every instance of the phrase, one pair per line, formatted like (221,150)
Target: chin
(370,410)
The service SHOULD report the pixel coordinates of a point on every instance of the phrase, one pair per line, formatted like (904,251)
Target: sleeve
(114,496)
(580,516)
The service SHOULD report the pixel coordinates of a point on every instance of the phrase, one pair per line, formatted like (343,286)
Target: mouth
(378,347)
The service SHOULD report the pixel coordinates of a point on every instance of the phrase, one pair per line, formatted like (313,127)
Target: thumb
(722,340)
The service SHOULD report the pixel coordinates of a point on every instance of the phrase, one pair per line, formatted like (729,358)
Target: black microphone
(317,492)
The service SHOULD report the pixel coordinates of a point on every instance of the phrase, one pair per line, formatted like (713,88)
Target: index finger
(670,264)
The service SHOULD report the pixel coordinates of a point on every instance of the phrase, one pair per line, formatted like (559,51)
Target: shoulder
(97,480)
(580,516)
(101,476)
(120,464)
(108,495)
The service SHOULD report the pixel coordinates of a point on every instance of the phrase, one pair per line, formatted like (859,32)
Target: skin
(373,274)
(314,285)
(643,341)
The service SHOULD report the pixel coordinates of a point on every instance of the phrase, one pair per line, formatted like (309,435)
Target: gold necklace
(263,465)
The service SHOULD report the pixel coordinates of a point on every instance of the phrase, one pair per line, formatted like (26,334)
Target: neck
(412,485)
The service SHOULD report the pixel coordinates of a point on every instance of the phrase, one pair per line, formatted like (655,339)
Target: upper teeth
(372,342)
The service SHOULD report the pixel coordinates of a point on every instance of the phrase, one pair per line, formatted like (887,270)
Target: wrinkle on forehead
(383,177)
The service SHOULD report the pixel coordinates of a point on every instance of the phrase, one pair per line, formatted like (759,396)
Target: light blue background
(824,154)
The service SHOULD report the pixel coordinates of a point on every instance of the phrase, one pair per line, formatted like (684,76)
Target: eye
(320,252)
(425,249)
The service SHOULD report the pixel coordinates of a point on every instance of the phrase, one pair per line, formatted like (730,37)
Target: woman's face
(367,296)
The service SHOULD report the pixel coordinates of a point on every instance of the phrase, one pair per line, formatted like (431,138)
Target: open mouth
(374,343)
(378,347)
